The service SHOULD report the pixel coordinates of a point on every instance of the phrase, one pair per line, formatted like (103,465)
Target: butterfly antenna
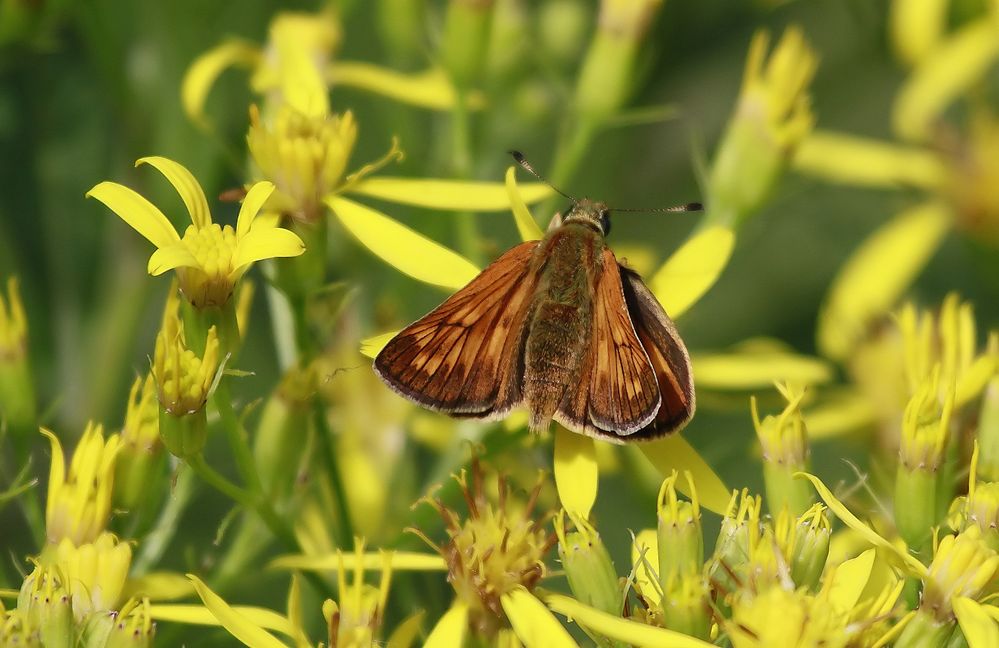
(522,161)
(689,207)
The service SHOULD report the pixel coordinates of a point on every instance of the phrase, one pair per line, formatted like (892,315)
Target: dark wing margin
(465,356)
(668,355)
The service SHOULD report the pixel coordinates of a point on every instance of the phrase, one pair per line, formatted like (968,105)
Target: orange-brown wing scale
(618,392)
(668,355)
(463,357)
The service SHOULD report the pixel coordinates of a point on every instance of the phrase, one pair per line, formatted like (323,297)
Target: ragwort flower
(302,44)
(79,499)
(209,259)
(956,175)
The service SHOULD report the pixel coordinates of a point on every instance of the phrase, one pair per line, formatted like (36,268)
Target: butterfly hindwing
(667,354)
(463,357)
(623,390)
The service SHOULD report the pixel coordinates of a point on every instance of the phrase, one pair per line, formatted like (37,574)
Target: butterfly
(556,326)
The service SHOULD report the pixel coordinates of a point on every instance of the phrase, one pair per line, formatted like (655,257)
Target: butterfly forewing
(667,354)
(623,389)
(463,357)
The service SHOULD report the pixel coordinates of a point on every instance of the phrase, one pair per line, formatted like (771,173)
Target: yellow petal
(303,86)
(755,370)
(457,195)
(262,618)
(238,624)
(399,561)
(526,225)
(450,629)
(186,185)
(254,200)
(618,629)
(401,247)
(849,519)
(867,162)
(849,581)
(175,255)
(158,586)
(144,217)
(201,76)
(57,471)
(373,345)
(944,74)
(576,472)
(674,453)
(428,89)
(839,415)
(693,269)
(534,624)
(916,27)
(259,244)
(877,273)
(978,627)
(406,632)
(975,378)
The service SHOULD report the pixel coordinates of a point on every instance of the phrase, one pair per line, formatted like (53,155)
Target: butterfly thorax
(570,259)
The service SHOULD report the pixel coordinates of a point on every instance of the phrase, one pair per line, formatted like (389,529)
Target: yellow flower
(209,259)
(252,625)
(183,380)
(891,364)
(957,180)
(963,566)
(300,47)
(357,619)
(79,500)
(305,156)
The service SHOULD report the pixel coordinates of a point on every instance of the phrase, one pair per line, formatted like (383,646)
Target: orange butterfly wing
(668,355)
(464,356)
(618,392)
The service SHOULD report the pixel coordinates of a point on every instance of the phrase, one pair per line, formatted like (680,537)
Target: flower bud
(680,541)
(46,602)
(79,500)
(141,456)
(772,116)
(608,72)
(785,452)
(183,383)
(925,429)
(588,566)
(130,627)
(281,433)
(804,543)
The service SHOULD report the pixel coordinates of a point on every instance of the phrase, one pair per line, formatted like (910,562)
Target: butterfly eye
(605,223)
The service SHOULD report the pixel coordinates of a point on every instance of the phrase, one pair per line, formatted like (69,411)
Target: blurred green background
(87,88)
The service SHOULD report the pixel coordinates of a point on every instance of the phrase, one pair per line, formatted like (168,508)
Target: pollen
(499,546)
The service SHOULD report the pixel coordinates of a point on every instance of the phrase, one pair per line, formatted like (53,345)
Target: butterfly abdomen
(560,322)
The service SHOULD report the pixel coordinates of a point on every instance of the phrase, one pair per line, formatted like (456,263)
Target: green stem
(236,436)
(30,503)
(344,527)
(262,508)
(155,543)
(461,161)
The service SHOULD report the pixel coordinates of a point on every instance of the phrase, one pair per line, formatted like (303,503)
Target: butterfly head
(590,212)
